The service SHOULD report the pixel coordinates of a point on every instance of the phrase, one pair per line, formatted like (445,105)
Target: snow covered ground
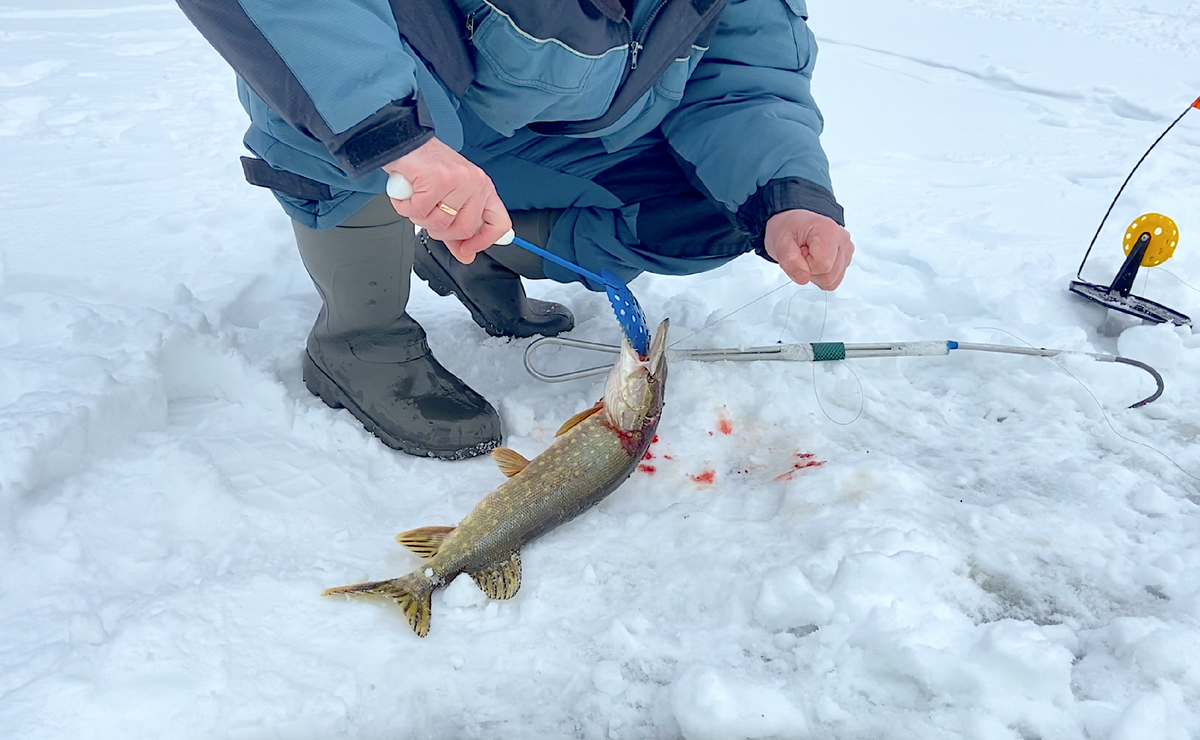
(973,546)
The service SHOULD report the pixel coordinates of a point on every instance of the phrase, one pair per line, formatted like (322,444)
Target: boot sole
(443,284)
(322,386)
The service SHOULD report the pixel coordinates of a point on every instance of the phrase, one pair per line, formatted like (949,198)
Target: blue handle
(629,313)
(529,247)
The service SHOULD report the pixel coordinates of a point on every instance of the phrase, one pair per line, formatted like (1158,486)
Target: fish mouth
(633,388)
(657,358)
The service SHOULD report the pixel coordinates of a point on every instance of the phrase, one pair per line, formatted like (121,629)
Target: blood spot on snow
(806,460)
(647,469)
(668,457)
(723,422)
(708,477)
(654,440)
(649,456)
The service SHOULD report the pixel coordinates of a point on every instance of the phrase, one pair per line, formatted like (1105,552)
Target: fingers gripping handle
(629,313)
(399,188)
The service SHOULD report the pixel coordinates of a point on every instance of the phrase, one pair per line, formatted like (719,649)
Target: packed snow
(978,546)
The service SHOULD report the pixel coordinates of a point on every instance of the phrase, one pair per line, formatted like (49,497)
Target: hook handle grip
(399,188)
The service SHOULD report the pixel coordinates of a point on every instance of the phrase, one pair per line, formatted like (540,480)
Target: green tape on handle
(828,351)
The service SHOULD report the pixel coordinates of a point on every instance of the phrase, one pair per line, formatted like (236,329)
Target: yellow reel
(1164,235)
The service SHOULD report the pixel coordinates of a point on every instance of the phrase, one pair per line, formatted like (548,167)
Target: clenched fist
(809,247)
(452,199)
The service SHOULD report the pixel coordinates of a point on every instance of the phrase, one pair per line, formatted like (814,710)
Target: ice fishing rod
(1149,241)
(821,352)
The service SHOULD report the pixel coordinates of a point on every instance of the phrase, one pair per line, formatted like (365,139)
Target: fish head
(635,386)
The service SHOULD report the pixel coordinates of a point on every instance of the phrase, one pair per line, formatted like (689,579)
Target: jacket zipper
(635,40)
(469,32)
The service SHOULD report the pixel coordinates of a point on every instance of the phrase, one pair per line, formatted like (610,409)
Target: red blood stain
(654,440)
(726,426)
(630,441)
(809,461)
(707,477)
(649,456)
(647,469)
(668,457)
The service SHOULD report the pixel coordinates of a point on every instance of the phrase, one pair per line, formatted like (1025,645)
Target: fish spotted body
(593,453)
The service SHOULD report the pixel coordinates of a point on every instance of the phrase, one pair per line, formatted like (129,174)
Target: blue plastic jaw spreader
(629,313)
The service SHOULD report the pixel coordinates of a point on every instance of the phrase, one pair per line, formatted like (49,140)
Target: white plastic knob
(399,187)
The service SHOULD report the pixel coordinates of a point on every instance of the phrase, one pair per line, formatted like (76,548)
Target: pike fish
(592,454)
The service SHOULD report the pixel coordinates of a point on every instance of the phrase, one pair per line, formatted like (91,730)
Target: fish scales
(576,472)
(594,452)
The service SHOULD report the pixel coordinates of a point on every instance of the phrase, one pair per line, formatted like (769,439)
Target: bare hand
(440,177)
(809,247)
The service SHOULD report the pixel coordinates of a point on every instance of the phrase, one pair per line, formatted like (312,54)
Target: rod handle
(399,188)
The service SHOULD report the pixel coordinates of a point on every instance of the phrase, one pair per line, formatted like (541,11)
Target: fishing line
(862,396)
(1128,177)
(1186,284)
(713,323)
(787,317)
(1100,406)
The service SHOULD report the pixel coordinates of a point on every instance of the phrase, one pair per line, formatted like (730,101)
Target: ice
(709,706)
(788,601)
(960,546)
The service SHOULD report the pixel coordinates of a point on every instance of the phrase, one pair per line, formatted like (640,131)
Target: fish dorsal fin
(571,423)
(509,461)
(425,541)
(500,581)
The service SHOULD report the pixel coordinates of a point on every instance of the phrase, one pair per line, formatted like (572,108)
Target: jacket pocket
(674,80)
(521,79)
(516,58)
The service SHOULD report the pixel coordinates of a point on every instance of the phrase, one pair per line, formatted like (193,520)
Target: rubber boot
(491,288)
(367,355)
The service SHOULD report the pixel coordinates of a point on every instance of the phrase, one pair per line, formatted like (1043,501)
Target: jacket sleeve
(748,122)
(335,70)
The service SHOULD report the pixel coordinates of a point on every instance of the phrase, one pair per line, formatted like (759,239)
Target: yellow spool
(1164,235)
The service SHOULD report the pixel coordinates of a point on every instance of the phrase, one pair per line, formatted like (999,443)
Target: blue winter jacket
(336,89)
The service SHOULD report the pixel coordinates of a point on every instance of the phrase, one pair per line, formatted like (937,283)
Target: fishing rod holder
(1119,294)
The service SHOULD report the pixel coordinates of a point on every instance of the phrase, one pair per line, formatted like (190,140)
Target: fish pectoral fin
(424,541)
(571,423)
(509,461)
(412,593)
(502,580)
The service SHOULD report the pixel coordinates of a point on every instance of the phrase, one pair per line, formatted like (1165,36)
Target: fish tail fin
(412,593)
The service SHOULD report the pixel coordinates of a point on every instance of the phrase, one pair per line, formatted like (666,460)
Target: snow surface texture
(976,553)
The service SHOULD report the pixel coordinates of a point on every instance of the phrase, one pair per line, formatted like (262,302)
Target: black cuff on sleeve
(785,194)
(264,175)
(388,135)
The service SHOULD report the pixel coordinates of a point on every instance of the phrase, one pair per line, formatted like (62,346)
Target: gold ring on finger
(447,209)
